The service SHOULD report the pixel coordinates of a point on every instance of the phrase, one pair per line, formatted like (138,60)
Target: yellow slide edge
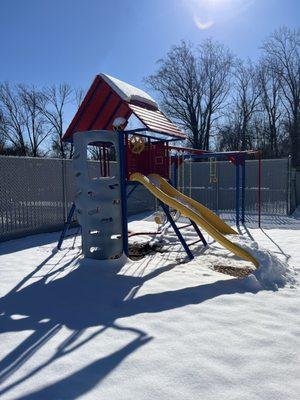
(194,216)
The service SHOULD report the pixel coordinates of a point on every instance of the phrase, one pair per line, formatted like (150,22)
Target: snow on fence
(36,193)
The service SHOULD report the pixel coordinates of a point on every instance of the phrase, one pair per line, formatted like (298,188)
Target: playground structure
(144,156)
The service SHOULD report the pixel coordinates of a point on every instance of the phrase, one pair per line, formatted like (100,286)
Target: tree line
(226,103)
(222,102)
(32,120)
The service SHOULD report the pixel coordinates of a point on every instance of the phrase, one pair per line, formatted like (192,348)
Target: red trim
(81,110)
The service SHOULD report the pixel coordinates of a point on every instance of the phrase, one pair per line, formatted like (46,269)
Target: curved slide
(190,208)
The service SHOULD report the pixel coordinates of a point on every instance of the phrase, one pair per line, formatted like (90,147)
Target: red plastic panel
(98,110)
(154,159)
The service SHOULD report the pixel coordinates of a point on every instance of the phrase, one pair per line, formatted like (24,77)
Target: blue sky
(45,42)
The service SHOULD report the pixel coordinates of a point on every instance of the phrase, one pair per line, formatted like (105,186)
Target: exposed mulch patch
(239,273)
(137,251)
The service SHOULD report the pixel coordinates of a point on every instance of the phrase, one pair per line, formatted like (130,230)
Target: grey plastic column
(98,200)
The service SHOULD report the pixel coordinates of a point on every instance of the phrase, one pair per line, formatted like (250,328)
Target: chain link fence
(218,194)
(37,193)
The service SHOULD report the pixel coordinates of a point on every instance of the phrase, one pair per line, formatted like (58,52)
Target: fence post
(217,185)
(289,182)
(259,190)
(64,189)
(243,161)
(237,190)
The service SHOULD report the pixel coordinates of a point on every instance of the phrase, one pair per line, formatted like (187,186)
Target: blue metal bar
(199,233)
(66,226)
(237,190)
(132,189)
(132,183)
(176,230)
(243,188)
(175,174)
(210,155)
(122,169)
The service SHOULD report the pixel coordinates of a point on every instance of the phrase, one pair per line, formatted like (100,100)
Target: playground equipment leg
(175,174)
(199,233)
(132,190)
(177,231)
(122,162)
(66,226)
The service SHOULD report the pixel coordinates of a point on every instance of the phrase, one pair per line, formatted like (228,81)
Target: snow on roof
(128,92)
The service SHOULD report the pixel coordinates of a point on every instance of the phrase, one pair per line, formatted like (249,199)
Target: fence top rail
(284,159)
(3,156)
(208,153)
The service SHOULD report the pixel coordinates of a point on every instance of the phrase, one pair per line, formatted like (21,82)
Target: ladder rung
(184,226)
(196,241)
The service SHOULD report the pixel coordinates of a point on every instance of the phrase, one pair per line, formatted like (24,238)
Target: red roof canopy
(104,102)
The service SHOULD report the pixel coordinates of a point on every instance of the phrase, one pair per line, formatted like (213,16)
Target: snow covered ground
(160,328)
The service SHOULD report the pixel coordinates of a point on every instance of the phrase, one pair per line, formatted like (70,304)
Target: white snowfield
(160,328)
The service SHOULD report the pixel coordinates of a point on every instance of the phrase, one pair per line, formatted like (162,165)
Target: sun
(218,3)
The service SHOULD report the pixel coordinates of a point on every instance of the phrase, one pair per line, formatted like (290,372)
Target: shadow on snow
(86,296)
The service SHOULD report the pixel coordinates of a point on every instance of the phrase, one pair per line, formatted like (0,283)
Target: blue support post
(199,233)
(132,190)
(243,188)
(177,231)
(175,170)
(122,162)
(66,226)
(237,190)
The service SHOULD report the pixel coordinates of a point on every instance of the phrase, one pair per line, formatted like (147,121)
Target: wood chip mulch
(239,273)
(137,251)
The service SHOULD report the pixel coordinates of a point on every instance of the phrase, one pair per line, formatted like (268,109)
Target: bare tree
(12,123)
(79,95)
(271,107)
(55,100)
(246,101)
(2,137)
(35,126)
(282,50)
(229,131)
(193,86)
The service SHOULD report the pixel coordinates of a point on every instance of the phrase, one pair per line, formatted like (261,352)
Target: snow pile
(128,92)
(272,272)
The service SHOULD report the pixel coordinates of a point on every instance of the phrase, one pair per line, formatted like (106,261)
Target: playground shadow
(81,297)
(245,231)
(280,250)
(28,242)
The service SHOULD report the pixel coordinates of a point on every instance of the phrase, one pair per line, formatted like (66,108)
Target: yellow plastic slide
(190,208)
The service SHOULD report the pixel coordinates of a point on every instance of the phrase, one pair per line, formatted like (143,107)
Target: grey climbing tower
(98,200)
